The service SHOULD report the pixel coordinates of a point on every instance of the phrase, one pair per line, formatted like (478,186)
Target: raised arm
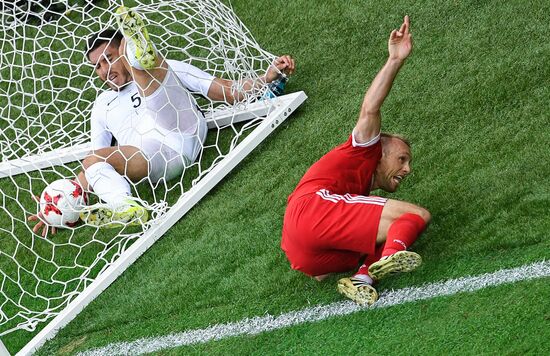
(399,48)
(224,89)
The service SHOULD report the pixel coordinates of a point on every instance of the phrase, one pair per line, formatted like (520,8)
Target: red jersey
(345,169)
(330,222)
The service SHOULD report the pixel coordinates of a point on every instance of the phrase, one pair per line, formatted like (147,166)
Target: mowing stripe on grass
(268,322)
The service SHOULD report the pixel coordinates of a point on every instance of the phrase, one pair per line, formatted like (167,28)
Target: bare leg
(126,160)
(392,211)
(322,277)
(81,179)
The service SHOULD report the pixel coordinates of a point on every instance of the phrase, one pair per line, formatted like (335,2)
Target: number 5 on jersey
(136,99)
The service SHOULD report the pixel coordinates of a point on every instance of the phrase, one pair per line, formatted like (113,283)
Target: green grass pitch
(473,98)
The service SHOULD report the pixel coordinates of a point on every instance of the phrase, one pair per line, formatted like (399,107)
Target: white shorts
(164,162)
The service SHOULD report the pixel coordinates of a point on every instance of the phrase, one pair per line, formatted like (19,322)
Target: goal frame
(3,350)
(277,113)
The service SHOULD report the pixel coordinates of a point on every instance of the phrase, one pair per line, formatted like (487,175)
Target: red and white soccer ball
(61,202)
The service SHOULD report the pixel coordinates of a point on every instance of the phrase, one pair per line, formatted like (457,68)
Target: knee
(423,213)
(91,159)
(394,209)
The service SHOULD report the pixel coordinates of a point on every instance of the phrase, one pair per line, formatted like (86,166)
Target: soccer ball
(61,202)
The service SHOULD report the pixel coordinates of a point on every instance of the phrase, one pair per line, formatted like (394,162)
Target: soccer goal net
(47,91)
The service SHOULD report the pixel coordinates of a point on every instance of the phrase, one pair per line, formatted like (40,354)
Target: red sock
(369,260)
(402,233)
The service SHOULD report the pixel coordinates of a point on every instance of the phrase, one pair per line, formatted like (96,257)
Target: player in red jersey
(332,224)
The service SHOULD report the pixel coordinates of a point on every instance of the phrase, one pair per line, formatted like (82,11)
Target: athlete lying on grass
(332,224)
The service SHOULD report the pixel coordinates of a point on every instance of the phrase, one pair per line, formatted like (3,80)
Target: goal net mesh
(47,91)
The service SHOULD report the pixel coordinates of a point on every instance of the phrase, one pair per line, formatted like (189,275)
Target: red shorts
(328,233)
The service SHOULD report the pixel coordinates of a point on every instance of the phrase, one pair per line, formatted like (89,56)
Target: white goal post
(47,91)
(3,350)
(285,106)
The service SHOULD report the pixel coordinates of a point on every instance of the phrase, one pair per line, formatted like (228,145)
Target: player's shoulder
(177,62)
(185,68)
(179,66)
(365,150)
(173,61)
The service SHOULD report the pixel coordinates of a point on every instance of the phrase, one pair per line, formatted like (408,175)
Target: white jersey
(167,115)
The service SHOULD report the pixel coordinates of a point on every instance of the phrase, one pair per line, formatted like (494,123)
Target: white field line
(268,322)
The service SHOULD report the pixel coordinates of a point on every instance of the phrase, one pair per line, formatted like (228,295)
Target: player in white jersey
(151,113)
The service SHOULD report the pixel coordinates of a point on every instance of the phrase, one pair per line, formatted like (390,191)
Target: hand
(400,42)
(283,64)
(41,224)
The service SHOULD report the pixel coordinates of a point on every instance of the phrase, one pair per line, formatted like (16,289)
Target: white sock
(131,54)
(365,278)
(109,186)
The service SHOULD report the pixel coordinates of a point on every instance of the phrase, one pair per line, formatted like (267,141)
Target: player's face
(109,66)
(394,165)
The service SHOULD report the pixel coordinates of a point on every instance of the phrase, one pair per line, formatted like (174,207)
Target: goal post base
(3,350)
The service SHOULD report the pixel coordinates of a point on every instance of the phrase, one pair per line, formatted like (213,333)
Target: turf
(473,98)
(452,325)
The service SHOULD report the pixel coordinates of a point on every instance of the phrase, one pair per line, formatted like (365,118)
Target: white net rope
(47,91)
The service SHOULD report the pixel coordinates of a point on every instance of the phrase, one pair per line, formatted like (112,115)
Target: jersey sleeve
(371,142)
(345,169)
(194,79)
(365,151)
(100,135)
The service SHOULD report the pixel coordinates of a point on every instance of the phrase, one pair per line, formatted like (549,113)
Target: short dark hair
(109,35)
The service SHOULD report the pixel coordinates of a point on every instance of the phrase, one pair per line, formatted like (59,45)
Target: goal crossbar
(281,109)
